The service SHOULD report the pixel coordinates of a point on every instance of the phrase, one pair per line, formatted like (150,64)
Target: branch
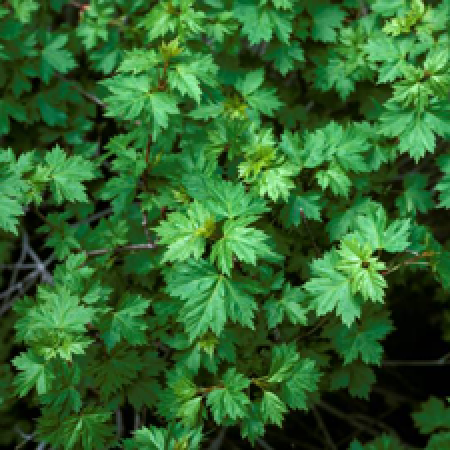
(125,248)
(264,444)
(40,266)
(21,287)
(119,422)
(324,429)
(442,361)
(23,255)
(346,418)
(216,444)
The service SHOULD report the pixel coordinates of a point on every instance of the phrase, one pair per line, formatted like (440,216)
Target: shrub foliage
(225,190)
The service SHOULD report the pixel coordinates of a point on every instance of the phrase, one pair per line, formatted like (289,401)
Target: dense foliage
(224,194)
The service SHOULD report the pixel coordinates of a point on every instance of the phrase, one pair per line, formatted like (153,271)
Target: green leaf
(331,290)
(186,235)
(139,60)
(35,372)
(252,426)
(10,108)
(374,230)
(224,199)
(132,97)
(335,178)
(384,442)
(272,408)
(229,401)
(363,269)
(289,305)
(357,377)
(326,19)
(117,370)
(12,188)
(241,242)
(361,339)
(66,175)
(252,81)
(433,415)
(152,438)
(57,324)
(296,376)
(307,203)
(415,198)
(86,429)
(277,181)
(264,101)
(126,323)
(285,56)
(210,299)
(23,9)
(55,57)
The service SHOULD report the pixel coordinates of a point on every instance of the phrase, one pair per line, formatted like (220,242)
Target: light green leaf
(229,401)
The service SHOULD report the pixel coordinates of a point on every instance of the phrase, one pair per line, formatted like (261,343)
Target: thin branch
(76,4)
(442,361)
(216,444)
(21,287)
(137,421)
(119,422)
(88,95)
(93,218)
(324,429)
(125,248)
(17,266)
(25,436)
(46,277)
(264,444)
(413,260)
(347,418)
(23,255)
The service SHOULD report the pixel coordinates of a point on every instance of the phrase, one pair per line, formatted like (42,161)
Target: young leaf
(229,400)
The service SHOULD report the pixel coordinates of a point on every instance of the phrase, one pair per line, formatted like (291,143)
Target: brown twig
(124,248)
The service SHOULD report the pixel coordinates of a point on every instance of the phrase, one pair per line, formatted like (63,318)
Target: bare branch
(324,429)
(442,361)
(264,444)
(125,248)
(216,444)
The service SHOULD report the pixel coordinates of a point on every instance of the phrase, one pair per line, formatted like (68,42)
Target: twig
(21,287)
(119,422)
(363,8)
(94,217)
(125,248)
(26,437)
(413,260)
(345,417)
(23,255)
(264,444)
(137,420)
(324,429)
(46,277)
(17,266)
(442,361)
(216,444)
(76,4)
(88,95)
(315,327)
